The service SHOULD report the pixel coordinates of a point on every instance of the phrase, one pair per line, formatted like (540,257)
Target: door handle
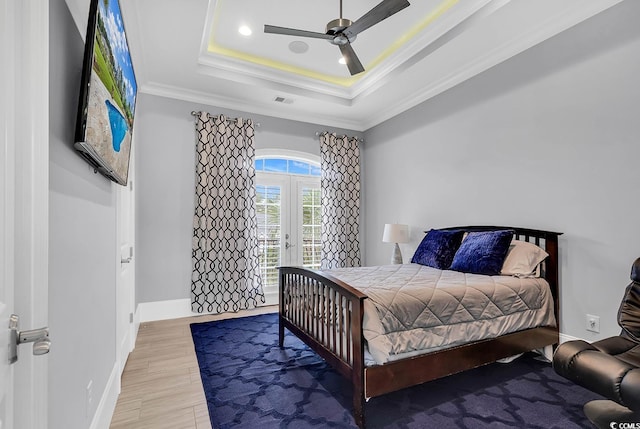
(39,338)
(287,245)
(126,261)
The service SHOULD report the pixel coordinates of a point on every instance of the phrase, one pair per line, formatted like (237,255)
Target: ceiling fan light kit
(342,32)
(337,26)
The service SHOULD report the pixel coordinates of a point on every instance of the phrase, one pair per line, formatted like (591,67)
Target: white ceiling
(192,50)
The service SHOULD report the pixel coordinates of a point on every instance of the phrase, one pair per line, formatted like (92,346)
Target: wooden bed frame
(309,299)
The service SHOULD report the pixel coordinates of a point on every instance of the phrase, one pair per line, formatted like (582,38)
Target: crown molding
(177,93)
(238,71)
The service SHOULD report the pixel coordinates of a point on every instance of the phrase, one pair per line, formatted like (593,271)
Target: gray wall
(165,172)
(82,246)
(548,140)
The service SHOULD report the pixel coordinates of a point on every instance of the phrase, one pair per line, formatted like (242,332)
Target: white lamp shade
(395,233)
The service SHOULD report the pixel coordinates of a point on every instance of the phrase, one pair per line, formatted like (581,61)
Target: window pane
(292,166)
(298,167)
(268,209)
(275,165)
(311,244)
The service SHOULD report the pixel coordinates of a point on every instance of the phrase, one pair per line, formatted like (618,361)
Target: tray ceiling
(193,50)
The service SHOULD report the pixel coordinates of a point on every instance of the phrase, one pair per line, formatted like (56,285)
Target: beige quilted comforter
(414,309)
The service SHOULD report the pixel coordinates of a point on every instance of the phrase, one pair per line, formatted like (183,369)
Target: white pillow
(523,259)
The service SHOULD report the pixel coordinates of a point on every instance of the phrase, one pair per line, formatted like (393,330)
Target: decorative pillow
(482,252)
(438,248)
(522,259)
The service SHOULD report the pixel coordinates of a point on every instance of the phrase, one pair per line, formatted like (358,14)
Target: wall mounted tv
(104,124)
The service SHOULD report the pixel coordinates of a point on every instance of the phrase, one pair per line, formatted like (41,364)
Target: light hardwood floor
(161,385)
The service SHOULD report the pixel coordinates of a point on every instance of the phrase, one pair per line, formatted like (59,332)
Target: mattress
(414,309)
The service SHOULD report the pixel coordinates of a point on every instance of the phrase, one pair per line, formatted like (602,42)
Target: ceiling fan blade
(349,55)
(382,11)
(293,32)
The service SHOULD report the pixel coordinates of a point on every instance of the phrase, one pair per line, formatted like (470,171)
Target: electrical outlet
(593,323)
(89,398)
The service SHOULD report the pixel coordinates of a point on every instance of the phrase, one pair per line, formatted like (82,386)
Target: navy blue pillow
(482,252)
(438,248)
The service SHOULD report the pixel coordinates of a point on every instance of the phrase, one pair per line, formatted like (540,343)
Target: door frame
(291,186)
(277,179)
(125,341)
(28,114)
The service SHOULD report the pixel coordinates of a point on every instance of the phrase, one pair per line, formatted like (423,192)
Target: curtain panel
(226,273)
(340,189)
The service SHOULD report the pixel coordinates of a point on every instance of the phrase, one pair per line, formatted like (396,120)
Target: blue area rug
(250,382)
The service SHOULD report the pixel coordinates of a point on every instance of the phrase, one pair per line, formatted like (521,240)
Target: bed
(327,313)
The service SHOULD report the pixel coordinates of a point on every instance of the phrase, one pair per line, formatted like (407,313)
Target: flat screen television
(104,124)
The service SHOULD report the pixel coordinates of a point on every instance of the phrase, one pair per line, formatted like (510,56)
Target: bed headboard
(548,240)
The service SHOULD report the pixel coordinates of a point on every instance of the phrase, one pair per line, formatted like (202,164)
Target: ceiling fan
(342,32)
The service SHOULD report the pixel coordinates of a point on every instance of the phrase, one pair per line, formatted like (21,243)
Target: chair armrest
(563,358)
(596,370)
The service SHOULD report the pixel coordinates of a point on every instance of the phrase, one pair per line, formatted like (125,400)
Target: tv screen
(108,93)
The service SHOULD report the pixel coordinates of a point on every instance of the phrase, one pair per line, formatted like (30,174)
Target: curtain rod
(360,139)
(194,113)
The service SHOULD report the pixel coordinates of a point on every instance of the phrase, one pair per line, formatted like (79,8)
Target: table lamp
(395,233)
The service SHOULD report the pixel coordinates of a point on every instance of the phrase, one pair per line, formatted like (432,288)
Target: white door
(24,196)
(125,286)
(288,211)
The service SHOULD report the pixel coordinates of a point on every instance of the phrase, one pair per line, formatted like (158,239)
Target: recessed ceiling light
(298,47)
(244,30)
(342,60)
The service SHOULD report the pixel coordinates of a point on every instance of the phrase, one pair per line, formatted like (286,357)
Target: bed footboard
(326,314)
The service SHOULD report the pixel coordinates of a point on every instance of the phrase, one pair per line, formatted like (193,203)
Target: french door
(289,219)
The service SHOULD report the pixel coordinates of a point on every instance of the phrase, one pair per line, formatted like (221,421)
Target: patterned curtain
(340,187)
(226,274)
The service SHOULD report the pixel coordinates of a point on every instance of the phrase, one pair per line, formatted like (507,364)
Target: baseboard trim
(175,309)
(163,310)
(107,405)
(564,338)
(271,298)
(136,323)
